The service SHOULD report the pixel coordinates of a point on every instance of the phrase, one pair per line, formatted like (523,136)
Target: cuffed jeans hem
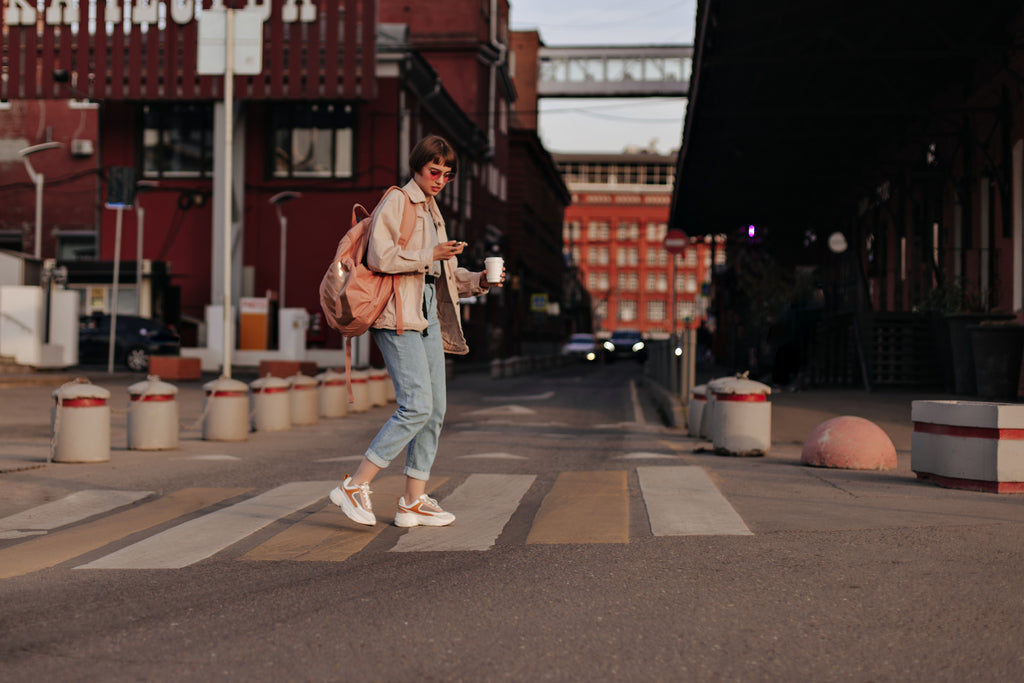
(377,460)
(409,471)
(416,474)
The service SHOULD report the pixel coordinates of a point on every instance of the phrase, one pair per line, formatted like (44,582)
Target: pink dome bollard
(849,442)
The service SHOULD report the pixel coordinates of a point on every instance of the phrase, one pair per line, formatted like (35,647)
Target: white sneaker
(354,501)
(424,511)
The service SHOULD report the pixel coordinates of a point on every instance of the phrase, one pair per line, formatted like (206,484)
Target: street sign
(676,241)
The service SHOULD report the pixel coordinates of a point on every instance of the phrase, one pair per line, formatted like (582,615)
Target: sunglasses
(436,173)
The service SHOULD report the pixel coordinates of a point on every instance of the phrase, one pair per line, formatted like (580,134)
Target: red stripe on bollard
(153,397)
(271,390)
(225,393)
(83,402)
(748,398)
(969,432)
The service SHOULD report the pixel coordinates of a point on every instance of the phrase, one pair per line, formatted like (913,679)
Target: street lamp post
(140,221)
(37,179)
(276,201)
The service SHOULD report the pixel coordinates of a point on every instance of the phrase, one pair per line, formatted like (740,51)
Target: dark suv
(137,339)
(625,344)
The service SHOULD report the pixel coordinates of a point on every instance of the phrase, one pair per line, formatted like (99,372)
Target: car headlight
(639,346)
(609,346)
(591,355)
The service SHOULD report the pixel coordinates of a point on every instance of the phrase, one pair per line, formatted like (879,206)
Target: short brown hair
(432,149)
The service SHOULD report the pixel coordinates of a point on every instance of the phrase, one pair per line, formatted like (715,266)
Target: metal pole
(38,251)
(284,252)
(117,275)
(229,122)
(140,231)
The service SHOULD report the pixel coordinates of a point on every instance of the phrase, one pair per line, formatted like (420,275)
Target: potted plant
(997,347)
(958,311)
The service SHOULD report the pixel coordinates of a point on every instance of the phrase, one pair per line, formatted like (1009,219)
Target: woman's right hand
(446,250)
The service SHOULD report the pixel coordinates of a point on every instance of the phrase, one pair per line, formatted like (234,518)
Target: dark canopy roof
(798,109)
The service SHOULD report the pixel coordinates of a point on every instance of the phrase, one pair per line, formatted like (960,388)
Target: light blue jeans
(416,364)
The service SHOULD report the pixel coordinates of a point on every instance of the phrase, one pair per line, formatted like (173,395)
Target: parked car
(625,344)
(137,339)
(582,346)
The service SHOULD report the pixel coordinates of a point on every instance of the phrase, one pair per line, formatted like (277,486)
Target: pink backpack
(351,295)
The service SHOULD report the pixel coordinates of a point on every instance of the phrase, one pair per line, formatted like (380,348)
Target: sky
(608,125)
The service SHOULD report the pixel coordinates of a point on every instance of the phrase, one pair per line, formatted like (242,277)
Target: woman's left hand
(487,285)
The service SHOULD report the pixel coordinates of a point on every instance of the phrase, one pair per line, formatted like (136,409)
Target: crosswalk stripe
(584,507)
(483,504)
(197,539)
(683,501)
(60,546)
(70,509)
(328,536)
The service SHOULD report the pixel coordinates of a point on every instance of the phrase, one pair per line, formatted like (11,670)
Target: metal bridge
(615,71)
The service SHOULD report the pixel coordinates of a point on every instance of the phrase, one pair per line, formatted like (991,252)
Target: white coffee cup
(494,266)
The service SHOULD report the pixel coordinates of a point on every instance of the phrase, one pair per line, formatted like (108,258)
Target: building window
(313,140)
(656,310)
(602,256)
(686,310)
(629,231)
(602,282)
(627,310)
(177,140)
(76,246)
(13,240)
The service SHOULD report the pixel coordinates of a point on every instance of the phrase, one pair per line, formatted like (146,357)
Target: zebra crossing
(191,525)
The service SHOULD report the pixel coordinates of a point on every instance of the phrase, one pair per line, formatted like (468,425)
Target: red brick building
(345,89)
(614,232)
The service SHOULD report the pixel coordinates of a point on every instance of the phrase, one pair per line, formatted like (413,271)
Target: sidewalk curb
(670,408)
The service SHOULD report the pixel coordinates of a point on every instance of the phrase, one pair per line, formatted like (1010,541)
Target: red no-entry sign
(676,241)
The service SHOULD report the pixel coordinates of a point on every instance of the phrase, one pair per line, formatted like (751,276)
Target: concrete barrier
(970,445)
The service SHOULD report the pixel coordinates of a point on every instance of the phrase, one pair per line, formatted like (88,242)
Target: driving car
(625,344)
(581,345)
(137,339)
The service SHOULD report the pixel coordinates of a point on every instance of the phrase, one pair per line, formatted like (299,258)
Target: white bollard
(304,400)
(333,394)
(80,423)
(226,410)
(360,383)
(271,406)
(742,417)
(378,392)
(152,415)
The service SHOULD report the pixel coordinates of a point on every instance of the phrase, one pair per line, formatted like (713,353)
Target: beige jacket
(384,255)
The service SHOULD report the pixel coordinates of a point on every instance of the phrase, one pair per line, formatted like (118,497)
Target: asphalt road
(831,575)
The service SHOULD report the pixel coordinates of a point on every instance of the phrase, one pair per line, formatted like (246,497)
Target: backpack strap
(408,224)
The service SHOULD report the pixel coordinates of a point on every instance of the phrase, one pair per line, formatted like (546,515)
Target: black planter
(997,351)
(962,357)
